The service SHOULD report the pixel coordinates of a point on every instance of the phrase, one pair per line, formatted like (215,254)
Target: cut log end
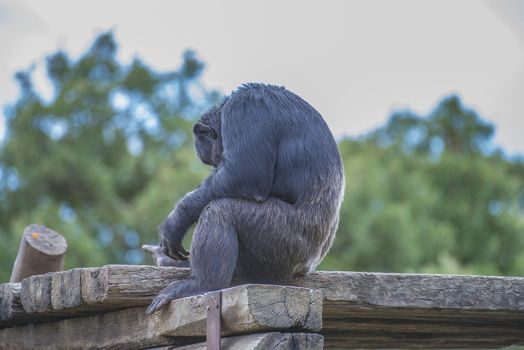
(45,240)
(41,250)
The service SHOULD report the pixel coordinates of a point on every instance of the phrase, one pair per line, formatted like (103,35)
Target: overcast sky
(355,61)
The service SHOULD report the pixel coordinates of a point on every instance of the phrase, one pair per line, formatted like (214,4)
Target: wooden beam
(136,285)
(66,292)
(10,306)
(359,308)
(127,285)
(263,341)
(35,294)
(245,309)
(84,291)
(370,310)
(11,310)
(41,250)
(398,290)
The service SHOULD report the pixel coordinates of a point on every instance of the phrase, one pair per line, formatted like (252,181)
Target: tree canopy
(107,158)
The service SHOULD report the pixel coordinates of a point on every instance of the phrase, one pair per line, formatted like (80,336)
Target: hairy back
(308,170)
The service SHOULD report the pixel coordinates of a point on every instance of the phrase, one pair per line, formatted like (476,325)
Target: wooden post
(41,250)
(213,320)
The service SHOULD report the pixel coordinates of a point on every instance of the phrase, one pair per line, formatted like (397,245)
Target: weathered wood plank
(410,341)
(10,306)
(370,310)
(11,311)
(357,305)
(35,294)
(136,285)
(83,291)
(55,295)
(127,285)
(66,292)
(129,328)
(248,308)
(263,341)
(368,328)
(395,290)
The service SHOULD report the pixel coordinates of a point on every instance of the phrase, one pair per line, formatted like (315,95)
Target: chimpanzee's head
(207,136)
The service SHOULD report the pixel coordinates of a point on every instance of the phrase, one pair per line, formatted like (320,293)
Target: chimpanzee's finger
(174,254)
(165,249)
(159,301)
(179,255)
(183,252)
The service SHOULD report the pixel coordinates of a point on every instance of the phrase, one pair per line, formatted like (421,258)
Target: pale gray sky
(355,61)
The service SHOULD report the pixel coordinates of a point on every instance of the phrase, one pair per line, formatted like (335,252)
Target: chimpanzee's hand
(174,251)
(171,243)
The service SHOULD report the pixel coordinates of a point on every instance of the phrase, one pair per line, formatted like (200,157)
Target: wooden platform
(104,308)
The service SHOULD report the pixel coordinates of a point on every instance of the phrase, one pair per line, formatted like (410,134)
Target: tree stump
(41,250)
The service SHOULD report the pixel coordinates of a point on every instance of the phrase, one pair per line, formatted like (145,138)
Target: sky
(354,61)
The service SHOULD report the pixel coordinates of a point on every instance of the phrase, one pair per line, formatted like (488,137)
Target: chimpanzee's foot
(161,259)
(175,290)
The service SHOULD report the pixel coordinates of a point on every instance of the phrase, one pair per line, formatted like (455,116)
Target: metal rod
(214,300)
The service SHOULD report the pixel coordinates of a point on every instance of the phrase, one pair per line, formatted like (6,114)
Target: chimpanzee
(270,208)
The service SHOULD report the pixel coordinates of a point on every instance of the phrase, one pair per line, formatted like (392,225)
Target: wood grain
(359,309)
(245,309)
(263,341)
(11,310)
(378,310)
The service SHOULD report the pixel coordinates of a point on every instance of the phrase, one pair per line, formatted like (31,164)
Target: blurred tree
(105,160)
(431,195)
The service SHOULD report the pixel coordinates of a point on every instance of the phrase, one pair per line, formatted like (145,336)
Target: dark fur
(270,208)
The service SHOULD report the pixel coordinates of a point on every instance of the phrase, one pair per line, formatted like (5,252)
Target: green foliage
(106,159)
(431,195)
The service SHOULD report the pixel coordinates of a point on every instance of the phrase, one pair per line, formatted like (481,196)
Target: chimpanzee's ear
(199,128)
(203,130)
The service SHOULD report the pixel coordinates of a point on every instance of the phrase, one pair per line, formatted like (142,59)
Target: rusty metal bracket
(213,326)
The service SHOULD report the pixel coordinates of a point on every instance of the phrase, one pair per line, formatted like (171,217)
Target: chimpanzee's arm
(185,214)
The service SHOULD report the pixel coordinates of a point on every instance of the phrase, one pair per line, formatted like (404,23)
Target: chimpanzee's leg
(254,242)
(272,241)
(214,252)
